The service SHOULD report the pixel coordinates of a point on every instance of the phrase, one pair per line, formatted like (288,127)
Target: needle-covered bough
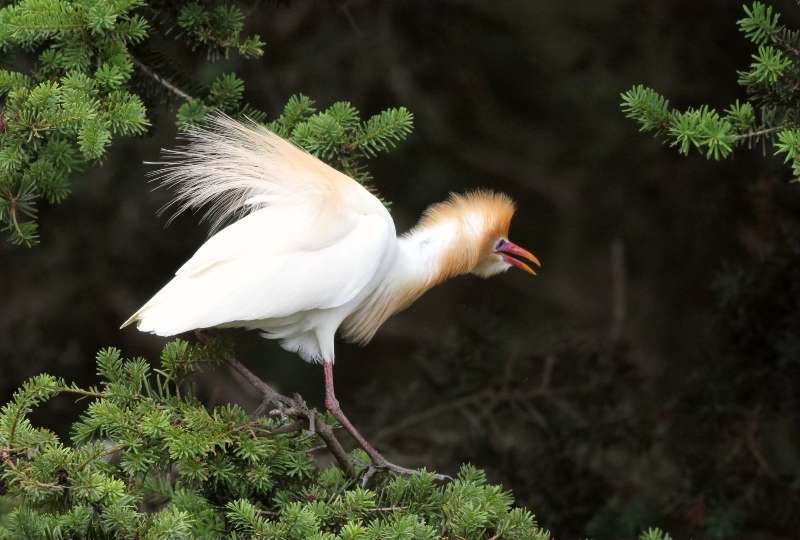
(311,251)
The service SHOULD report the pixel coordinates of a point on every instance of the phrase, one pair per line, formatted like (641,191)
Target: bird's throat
(432,254)
(425,257)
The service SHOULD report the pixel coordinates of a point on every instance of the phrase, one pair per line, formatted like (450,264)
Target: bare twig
(618,302)
(508,372)
(751,443)
(161,80)
(433,412)
(547,372)
(267,392)
(759,133)
(345,9)
(491,396)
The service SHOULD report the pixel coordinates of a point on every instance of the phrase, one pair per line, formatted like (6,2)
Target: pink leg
(332,404)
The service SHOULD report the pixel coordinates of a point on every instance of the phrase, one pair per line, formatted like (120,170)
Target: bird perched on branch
(311,251)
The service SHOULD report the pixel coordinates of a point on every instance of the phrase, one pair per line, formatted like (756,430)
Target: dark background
(647,376)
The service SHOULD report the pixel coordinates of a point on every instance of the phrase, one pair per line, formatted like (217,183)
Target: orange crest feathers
(480,216)
(489,212)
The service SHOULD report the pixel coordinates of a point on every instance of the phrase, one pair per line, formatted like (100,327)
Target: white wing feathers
(265,285)
(312,238)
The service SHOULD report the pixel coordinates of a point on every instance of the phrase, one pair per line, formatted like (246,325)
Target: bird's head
(482,246)
(502,255)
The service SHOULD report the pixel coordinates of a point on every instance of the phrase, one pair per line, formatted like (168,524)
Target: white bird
(312,251)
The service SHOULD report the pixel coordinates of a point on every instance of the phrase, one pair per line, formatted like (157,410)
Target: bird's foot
(269,407)
(262,408)
(310,414)
(312,424)
(382,464)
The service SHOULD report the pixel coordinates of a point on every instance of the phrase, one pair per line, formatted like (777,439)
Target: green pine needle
(760,23)
(647,107)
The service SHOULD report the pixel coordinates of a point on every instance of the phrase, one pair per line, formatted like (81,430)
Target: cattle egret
(311,251)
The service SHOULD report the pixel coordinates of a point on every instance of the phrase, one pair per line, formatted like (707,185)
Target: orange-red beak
(507,248)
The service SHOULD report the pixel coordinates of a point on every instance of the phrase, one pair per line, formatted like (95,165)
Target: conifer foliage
(68,89)
(148,461)
(768,117)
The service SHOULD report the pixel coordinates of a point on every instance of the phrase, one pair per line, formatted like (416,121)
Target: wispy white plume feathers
(231,168)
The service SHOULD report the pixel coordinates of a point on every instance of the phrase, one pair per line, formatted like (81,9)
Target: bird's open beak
(508,248)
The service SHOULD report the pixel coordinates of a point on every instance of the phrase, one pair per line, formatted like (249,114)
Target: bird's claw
(368,473)
(385,465)
(261,409)
(279,411)
(312,424)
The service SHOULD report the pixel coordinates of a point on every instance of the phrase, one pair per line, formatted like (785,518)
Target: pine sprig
(654,534)
(339,136)
(760,23)
(771,115)
(768,67)
(218,30)
(647,107)
(13,416)
(788,144)
(704,130)
(385,130)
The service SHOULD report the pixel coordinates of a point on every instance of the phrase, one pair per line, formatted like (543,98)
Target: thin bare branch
(161,80)
(618,282)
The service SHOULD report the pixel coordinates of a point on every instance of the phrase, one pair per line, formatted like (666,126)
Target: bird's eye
(499,245)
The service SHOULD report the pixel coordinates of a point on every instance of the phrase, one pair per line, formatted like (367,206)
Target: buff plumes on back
(231,169)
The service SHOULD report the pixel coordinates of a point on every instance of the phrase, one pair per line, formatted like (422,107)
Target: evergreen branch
(647,107)
(760,24)
(111,450)
(82,392)
(36,390)
(21,234)
(771,81)
(759,133)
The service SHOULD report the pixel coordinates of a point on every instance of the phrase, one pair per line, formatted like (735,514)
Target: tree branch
(161,80)
(295,407)
(758,133)
(618,282)
(268,393)
(492,396)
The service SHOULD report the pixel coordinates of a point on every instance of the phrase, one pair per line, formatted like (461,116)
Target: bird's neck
(426,256)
